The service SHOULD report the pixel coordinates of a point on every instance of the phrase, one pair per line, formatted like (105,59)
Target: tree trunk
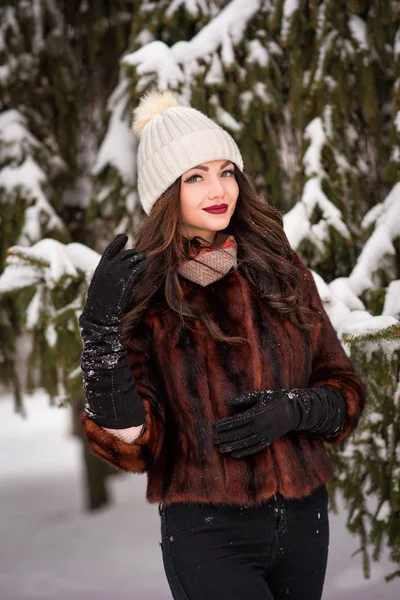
(97,493)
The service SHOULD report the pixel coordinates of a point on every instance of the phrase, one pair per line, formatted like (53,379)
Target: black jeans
(276,550)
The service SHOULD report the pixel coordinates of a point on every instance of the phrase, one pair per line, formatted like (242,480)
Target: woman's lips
(217,210)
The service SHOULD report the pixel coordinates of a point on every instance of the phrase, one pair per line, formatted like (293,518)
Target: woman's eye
(192,178)
(228,173)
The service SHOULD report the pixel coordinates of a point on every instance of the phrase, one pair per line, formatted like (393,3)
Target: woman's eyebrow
(203,168)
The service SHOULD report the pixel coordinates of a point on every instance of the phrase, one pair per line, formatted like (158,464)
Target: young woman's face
(208,199)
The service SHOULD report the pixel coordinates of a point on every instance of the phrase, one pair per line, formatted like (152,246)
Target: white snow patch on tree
(48,261)
(297,220)
(364,323)
(193,7)
(22,175)
(341,288)
(215,74)
(358,30)
(392,299)
(223,117)
(289,8)
(156,58)
(386,217)
(171,65)
(257,53)
(119,145)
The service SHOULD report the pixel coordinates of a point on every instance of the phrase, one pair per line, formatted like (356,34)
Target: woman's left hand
(270,417)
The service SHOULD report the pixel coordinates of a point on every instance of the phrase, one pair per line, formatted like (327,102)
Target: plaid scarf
(210,263)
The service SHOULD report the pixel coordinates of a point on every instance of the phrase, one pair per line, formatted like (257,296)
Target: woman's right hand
(112,283)
(112,398)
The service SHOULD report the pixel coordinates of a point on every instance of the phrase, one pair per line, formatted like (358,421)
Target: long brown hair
(263,252)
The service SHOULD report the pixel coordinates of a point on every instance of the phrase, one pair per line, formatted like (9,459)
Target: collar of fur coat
(211,262)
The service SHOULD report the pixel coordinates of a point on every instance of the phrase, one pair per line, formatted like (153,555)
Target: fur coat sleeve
(330,363)
(137,456)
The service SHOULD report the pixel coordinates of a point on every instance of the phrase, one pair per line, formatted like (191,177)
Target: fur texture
(152,103)
(183,377)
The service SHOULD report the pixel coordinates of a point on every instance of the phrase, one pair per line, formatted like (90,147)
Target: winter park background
(310,89)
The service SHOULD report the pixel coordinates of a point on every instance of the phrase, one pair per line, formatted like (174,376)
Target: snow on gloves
(272,414)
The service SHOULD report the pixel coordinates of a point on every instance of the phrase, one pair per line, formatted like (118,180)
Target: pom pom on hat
(153,103)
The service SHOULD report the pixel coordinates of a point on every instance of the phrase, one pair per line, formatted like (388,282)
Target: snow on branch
(386,218)
(156,58)
(346,312)
(50,265)
(193,8)
(358,30)
(392,299)
(289,9)
(47,262)
(21,175)
(297,221)
(171,65)
(118,147)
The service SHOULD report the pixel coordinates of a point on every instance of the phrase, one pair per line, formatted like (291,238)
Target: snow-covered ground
(51,549)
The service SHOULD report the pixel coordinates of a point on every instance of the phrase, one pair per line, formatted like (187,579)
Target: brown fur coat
(183,378)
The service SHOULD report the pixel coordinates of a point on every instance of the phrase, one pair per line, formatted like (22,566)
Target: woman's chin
(217,222)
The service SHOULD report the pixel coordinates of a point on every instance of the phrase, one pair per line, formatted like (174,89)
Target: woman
(210,363)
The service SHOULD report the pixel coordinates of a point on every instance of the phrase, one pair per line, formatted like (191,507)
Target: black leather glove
(112,398)
(274,413)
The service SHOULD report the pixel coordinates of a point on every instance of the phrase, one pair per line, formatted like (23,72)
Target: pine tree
(115,203)
(311,92)
(59,64)
(47,139)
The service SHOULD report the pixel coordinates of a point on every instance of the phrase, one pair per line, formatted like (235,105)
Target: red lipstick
(217,209)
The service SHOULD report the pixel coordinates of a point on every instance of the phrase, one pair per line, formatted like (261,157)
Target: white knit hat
(173,140)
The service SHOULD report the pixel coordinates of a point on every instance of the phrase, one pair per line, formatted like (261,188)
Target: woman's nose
(216,189)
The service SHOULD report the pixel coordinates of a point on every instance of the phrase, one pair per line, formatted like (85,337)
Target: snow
(297,220)
(358,29)
(172,65)
(119,145)
(369,324)
(396,47)
(38,37)
(246,99)
(386,218)
(53,550)
(257,53)
(314,133)
(341,289)
(18,277)
(158,58)
(82,257)
(51,339)
(193,7)
(21,175)
(325,49)
(30,177)
(223,117)
(14,136)
(321,21)
(289,8)
(215,74)
(8,25)
(347,314)
(54,261)
(261,90)
(392,299)
(226,29)
(33,310)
